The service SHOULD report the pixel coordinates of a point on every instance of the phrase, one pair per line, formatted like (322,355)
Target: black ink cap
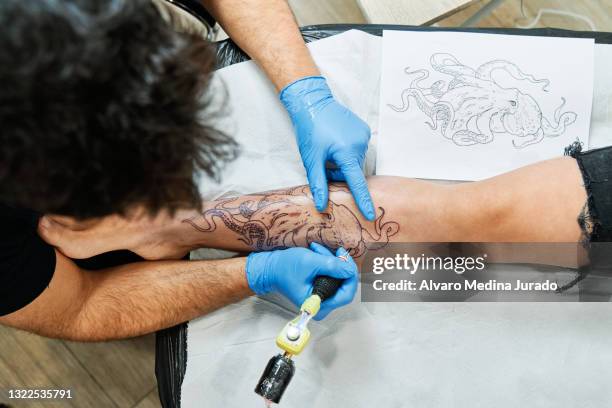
(275,378)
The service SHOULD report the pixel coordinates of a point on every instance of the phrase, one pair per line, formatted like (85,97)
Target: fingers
(317,181)
(333,266)
(343,254)
(341,261)
(349,274)
(359,187)
(344,296)
(320,249)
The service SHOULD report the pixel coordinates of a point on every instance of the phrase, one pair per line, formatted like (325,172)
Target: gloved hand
(327,131)
(292,272)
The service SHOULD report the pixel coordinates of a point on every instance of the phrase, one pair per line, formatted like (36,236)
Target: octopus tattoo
(471,108)
(279,219)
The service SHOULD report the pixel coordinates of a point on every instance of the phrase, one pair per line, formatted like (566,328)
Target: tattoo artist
(100,139)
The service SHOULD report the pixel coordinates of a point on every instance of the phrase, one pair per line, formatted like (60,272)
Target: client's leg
(537,203)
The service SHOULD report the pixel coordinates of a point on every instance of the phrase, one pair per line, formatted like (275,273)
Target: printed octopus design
(276,220)
(471,108)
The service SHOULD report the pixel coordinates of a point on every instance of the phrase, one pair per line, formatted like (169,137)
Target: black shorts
(596,223)
(596,168)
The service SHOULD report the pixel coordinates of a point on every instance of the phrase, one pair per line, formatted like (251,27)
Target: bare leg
(537,203)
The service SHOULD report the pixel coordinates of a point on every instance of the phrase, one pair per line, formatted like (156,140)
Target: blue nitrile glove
(292,272)
(327,131)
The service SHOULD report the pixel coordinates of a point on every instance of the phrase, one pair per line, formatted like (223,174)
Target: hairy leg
(537,203)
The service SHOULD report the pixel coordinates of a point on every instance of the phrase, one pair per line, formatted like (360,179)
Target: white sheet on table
(409,147)
(460,355)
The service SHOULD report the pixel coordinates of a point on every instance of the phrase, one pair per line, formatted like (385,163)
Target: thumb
(320,249)
(330,265)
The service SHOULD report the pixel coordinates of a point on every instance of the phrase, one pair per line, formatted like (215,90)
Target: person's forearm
(129,300)
(269,34)
(136,299)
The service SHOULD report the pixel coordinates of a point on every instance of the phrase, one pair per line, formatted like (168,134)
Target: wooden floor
(511,13)
(121,374)
(117,374)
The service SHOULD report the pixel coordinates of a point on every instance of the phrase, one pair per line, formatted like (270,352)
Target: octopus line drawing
(279,219)
(472,108)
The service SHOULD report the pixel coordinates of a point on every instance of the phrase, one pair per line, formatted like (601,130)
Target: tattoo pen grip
(326,287)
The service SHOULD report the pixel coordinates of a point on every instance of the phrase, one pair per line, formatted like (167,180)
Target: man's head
(101,108)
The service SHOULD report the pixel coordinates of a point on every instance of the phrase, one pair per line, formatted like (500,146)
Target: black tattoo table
(171,345)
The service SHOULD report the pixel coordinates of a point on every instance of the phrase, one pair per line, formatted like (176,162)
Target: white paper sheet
(467,106)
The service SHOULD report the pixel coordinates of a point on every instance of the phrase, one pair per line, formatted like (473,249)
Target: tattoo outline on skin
(278,219)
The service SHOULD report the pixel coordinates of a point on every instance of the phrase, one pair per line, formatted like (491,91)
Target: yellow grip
(294,347)
(311,305)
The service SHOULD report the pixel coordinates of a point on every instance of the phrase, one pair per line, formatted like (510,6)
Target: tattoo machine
(292,340)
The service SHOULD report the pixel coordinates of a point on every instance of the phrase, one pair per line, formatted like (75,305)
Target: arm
(537,203)
(140,298)
(326,131)
(279,50)
(130,300)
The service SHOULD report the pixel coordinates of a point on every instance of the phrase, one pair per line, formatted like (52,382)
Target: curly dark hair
(103,106)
